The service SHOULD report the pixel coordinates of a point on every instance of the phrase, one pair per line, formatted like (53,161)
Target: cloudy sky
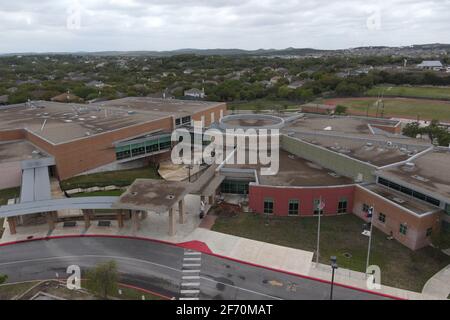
(97,25)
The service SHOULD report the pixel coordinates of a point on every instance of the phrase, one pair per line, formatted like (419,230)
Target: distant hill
(436,48)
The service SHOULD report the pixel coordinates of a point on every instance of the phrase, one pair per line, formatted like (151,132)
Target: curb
(201,247)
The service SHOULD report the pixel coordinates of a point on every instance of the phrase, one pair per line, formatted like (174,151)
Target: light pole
(319,208)
(369,215)
(334,266)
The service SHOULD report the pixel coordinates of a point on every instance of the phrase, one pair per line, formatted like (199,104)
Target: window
(293,207)
(123,152)
(234,187)
(316,209)
(429,232)
(186,120)
(447,208)
(268,206)
(178,122)
(382,217)
(342,206)
(409,192)
(151,146)
(366,208)
(403,229)
(165,142)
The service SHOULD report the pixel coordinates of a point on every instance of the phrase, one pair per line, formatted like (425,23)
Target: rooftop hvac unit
(398,200)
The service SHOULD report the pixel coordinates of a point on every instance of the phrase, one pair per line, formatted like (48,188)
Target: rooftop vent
(422,179)
(398,200)
(334,174)
(410,165)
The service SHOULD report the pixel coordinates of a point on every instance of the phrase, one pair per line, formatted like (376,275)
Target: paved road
(160,268)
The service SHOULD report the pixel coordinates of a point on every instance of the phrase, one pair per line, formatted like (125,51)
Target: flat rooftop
(62,122)
(350,125)
(431,173)
(372,150)
(12,151)
(297,172)
(401,199)
(157,196)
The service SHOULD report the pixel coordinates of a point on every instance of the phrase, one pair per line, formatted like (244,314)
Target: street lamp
(334,266)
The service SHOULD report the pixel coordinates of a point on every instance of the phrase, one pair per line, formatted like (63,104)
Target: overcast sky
(97,25)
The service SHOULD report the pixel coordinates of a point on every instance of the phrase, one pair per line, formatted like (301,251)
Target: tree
(3,278)
(103,279)
(412,129)
(341,109)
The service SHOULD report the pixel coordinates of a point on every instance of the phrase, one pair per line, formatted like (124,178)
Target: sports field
(396,107)
(411,92)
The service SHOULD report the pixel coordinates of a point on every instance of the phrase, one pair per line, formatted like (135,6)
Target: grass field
(112,193)
(400,266)
(9,291)
(7,194)
(103,179)
(412,92)
(262,104)
(397,107)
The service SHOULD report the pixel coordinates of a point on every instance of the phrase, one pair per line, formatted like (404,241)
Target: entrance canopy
(57,204)
(157,196)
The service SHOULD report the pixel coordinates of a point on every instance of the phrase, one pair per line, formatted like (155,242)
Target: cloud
(29,25)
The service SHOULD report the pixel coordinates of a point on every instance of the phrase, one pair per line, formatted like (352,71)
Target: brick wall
(395,215)
(306,196)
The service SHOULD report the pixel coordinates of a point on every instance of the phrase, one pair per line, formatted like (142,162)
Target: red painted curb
(202,247)
(196,246)
(145,291)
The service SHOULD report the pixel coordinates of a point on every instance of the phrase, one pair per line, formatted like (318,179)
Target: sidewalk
(439,284)
(254,252)
(246,250)
(358,280)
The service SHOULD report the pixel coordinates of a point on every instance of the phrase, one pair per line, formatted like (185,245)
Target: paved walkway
(251,251)
(439,285)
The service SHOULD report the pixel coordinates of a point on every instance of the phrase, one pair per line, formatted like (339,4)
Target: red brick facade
(306,196)
(417,227)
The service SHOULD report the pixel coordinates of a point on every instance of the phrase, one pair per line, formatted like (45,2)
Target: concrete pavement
(161,268)
(250,251)
(439,284)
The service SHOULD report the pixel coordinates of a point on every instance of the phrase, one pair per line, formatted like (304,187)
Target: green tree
(412,129)
(3,278)
(103,279)
(341,109)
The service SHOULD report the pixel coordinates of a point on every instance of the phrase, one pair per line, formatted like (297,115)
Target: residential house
(195,93)
(430,65)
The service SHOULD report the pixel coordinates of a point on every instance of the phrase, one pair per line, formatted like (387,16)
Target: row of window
(234,187)
(403,229)
(409,192)
(294,206)
(137,149)
(183,121)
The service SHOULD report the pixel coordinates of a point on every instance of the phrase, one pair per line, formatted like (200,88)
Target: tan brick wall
(85,154)
(417,226)
(8,135)
(207,114)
